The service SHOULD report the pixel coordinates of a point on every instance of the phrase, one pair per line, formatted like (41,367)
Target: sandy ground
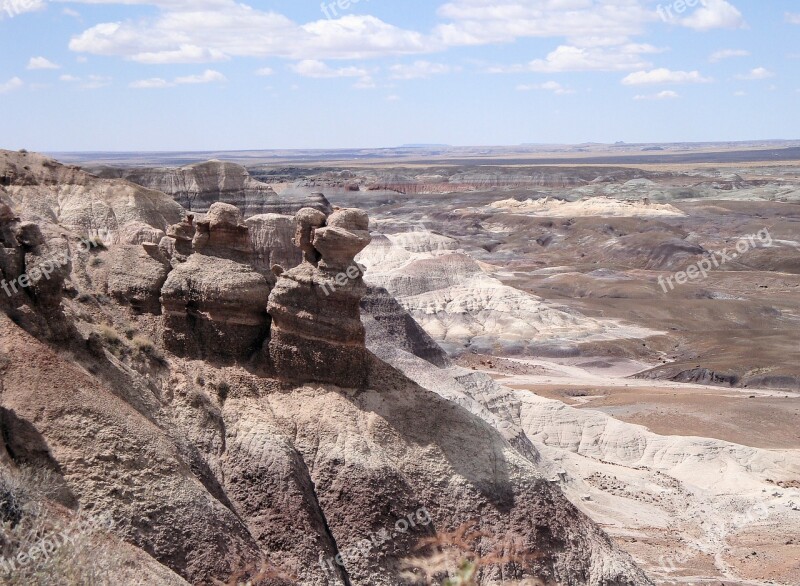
(759,418)
(680,532)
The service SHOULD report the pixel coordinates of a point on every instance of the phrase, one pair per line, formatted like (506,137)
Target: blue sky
(221,74)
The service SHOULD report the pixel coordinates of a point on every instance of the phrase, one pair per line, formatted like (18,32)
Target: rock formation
(213,466)
(34,267)
(215,302)
(317,334)
(113,211)
(197,187)
(136,276)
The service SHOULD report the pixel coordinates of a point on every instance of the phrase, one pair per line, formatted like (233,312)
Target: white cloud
(12,8)
(393,98)
(216,30)
(665,95)
(321,70)
(551,86)
(739,93)
(71,12)
(664,76)
(94,82)
(728,54)
(41,63)
(793,17)
(756,74)
(365,83)
(265,71)
(419,70)
(69,78)
(581,22)
(715,14)
(569,58)
(208,76)
(152,83)
(12,84)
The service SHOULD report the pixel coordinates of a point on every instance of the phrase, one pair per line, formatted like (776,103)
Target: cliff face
(197,187)
(223,443)
(113,211)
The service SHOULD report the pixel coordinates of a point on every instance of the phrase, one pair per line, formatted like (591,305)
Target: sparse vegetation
(110,336)
(41,545)
(450,559)
(223,389)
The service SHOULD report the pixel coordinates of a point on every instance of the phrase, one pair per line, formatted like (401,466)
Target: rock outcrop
(215,302)
(44,191)
(34,267)
(317,334)
(389,324)
(197,187)
(223,471)
(136,276)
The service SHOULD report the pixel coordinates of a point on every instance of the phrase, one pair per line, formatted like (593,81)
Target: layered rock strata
(197,187)
(214,302)
(317,334)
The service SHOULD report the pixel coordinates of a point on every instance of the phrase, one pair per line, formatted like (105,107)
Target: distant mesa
(198,186)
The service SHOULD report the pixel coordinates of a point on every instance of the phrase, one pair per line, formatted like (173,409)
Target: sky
(163,75)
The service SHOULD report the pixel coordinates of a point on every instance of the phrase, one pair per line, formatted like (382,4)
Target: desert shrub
(450,559)
(258,575)
(143,345)
(84,298)
(146,347)
(40,547)
(109,335)
(223,389)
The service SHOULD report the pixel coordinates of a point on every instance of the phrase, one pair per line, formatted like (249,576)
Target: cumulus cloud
(41,63)
(728,54)
(321,70)
(152,83)
(216,30)
(582,23)
(419,70)
(208,76)
(665,95)
(713,14)
(756,74)
(550,86)
(12,84)
(793,17)
(94,82)
(664,76)
(568,58)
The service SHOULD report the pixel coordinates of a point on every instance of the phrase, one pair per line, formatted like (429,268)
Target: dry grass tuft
(40,546)
(259,575)
(451,559)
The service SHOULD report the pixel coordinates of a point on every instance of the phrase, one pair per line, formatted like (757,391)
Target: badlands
(210,374)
